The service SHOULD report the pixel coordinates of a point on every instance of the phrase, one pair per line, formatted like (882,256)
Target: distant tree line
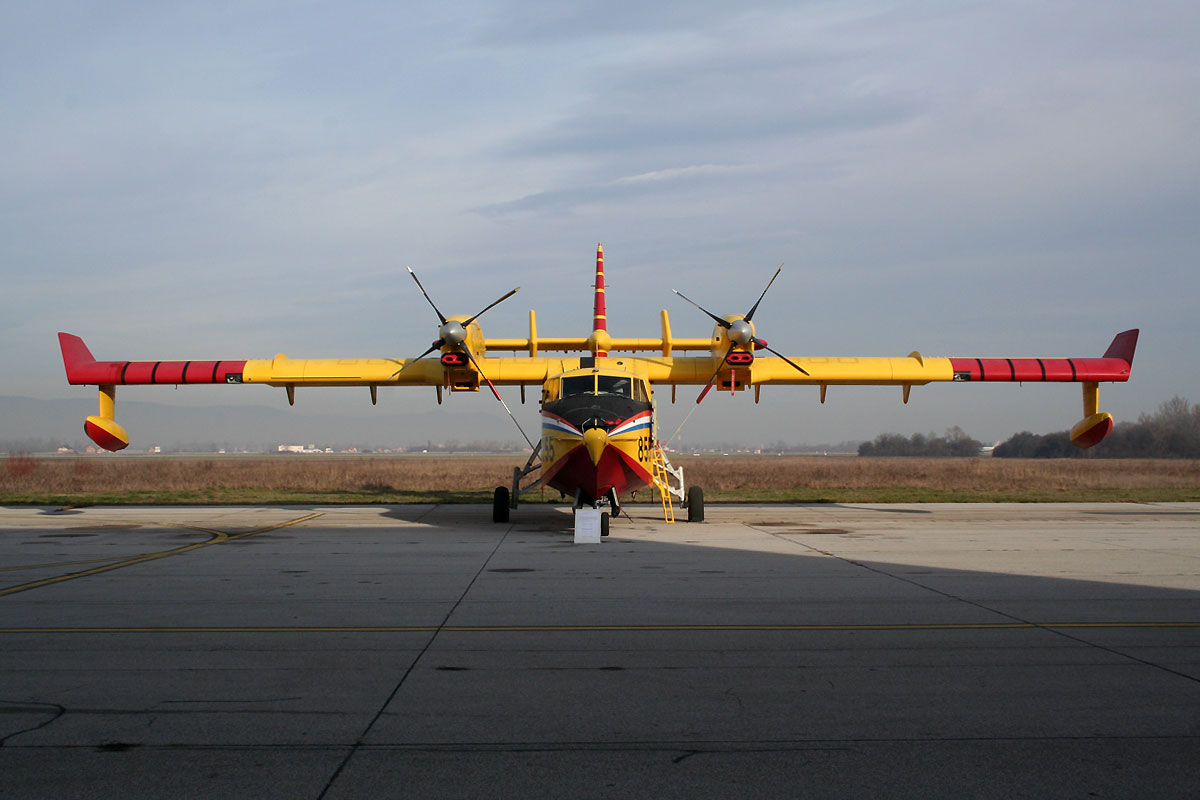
(954,443)
(1171,432)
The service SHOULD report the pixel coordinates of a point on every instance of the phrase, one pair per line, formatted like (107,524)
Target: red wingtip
(75,354)
(1123,345)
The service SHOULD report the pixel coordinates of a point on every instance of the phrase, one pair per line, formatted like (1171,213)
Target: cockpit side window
(614,384)
(639,392)
(578,384)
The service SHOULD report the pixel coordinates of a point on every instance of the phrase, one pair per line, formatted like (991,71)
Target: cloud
(684,173)
(655,182)
(549,22)
(256,176)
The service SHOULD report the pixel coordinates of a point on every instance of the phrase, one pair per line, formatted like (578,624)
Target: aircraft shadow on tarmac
(419,646)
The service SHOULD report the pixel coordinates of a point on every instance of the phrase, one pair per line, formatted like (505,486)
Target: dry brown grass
(287,473)
(411,478)
(960,474)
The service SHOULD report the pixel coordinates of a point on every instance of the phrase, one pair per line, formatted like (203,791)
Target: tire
(695,504)
(604,524)
(500,504)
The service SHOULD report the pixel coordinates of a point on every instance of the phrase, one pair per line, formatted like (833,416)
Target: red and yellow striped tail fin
(599,310)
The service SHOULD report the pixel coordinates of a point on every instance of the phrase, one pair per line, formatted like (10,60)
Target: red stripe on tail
(599,311)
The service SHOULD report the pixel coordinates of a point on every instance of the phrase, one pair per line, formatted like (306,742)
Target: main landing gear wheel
(500,504)
(604,524)
(695,504)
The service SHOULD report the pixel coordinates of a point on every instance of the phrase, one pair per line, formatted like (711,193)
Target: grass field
(89,480)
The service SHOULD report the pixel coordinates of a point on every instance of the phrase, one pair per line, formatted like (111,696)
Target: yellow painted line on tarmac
(217,537)
(56,564)
(592,628)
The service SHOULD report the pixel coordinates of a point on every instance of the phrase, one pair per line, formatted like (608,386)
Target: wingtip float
(82,368)
(599,439)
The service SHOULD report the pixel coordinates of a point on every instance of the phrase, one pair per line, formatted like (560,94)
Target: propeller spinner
(740,333)
(452,332)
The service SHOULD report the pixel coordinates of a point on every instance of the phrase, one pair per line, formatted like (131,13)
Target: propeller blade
(441,316)
(750,315)
(492,386)
(432,347)
(712,381)
(723,323)
(493,305)
(763,345)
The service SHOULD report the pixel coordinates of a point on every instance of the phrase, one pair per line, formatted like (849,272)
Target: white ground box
(587,526)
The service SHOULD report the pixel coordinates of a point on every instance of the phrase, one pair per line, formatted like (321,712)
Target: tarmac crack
(30,707)
(1048,627)
(680,748)
(358,742)
(215,537)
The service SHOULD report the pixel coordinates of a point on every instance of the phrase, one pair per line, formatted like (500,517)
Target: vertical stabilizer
(599,312)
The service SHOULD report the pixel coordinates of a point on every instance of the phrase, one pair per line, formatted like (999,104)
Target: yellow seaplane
(599,438)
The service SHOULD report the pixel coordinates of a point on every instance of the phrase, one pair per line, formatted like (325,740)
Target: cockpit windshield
(578,384)
(620,385)
(613,384)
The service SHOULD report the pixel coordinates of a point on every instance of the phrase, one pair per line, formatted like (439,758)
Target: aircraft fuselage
(597,433)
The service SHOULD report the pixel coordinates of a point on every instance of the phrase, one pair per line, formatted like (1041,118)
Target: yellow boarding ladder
(662,472)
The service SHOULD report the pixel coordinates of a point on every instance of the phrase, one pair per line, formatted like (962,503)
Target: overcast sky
(232,180)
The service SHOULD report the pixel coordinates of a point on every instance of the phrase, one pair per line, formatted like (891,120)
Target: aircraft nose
(595,440)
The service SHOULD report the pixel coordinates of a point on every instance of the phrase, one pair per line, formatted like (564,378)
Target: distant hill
(43,425)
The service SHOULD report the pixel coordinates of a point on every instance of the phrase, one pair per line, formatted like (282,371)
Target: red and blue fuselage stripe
(553,422)
(637,422)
